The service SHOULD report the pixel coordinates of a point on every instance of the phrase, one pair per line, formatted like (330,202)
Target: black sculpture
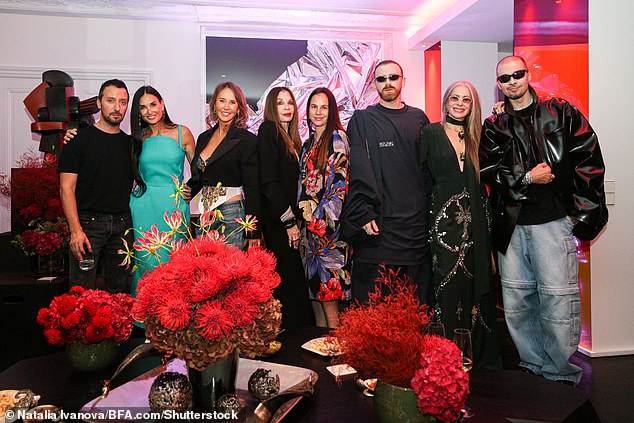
(54,107)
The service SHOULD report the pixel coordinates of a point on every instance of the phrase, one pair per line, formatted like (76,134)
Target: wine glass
(436,328)
(462,338)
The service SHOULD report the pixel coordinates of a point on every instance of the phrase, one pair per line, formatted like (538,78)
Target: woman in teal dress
(160,150)
(460,224)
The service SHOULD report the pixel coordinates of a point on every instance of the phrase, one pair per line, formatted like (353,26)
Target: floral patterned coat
(321,195)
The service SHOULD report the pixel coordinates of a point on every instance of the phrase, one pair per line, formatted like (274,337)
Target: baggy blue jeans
(541,298)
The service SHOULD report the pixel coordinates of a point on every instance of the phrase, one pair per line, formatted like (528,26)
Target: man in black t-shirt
(386,209)
(95,183)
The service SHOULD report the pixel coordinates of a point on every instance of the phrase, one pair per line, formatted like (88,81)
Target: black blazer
(234,163)
(279,173)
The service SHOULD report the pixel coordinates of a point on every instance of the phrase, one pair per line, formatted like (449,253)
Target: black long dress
(460,225)
(279,176)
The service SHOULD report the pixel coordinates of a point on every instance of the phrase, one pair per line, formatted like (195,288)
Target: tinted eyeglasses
(391,77)
(456,99)
(515,75)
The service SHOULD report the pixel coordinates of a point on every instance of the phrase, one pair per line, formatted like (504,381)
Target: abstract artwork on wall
(346,68)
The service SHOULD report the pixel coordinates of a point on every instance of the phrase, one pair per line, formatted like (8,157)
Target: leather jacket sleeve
(501,166)
(588,171)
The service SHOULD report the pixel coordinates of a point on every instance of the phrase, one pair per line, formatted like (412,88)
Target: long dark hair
(291,137)
(334,123)
(137,128)
(240,121)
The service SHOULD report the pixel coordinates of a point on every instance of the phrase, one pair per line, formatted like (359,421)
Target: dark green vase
(393,404)
(87,358)
(213,382)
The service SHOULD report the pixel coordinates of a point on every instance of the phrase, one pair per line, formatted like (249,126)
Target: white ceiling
(424,21)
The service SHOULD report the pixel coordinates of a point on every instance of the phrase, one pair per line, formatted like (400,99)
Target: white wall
(474,62)
(168,55)
(413,64)
(170,51)
(612,254)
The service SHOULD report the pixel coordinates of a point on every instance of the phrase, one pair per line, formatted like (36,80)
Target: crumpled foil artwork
(346,68)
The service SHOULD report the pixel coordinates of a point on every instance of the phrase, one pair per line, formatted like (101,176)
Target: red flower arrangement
(88,316)
(44,237)
(34,193)
(384,338)
(440,383)
(210,299)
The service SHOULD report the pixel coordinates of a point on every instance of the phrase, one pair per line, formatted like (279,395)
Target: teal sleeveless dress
(161,158)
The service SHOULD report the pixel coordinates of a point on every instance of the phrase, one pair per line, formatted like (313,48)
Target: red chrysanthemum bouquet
(385,339)
(87,316)
(210,299)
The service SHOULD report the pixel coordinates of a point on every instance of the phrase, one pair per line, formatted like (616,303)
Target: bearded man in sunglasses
(543,163)
(386,210)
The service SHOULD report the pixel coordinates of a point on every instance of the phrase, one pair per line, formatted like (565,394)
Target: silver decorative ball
(228,403)
(171,391)
(262,385)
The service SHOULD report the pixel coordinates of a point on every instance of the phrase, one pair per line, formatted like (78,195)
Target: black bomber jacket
(566,142)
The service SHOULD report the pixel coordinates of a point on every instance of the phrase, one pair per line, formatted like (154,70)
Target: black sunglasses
(515,75)
(391,77)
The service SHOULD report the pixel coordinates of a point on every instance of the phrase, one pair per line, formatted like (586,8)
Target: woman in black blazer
(225,166)
(279,146)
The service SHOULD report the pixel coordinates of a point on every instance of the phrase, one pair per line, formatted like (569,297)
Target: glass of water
(87,262)
(436,328)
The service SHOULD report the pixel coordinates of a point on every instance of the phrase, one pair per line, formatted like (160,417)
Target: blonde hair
(473,122)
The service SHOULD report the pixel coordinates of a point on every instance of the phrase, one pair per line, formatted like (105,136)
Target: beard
(114,119)
(389,93)
(517,94)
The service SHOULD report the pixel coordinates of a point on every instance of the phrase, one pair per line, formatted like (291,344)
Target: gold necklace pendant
(462,156)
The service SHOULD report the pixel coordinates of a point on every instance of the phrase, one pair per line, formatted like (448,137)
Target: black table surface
(496,396)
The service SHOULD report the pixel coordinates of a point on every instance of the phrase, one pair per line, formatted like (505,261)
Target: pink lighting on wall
(433,83)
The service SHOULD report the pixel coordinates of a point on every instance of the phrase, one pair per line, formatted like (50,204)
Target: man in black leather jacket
(543,163)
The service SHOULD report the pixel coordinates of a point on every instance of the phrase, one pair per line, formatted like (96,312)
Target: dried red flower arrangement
(88,316)
(383,337)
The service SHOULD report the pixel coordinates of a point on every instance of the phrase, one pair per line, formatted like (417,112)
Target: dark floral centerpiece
(34,191)
(87,316)
(385,339)
(44,237)
(90,322)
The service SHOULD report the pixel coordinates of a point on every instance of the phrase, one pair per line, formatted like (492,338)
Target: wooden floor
(608,381)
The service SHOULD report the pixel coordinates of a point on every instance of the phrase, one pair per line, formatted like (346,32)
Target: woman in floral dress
(322,190)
